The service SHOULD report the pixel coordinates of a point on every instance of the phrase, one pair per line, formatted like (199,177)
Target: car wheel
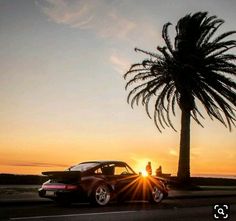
(156,195)
(101,195)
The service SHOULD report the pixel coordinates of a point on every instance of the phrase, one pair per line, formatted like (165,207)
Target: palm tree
(197,70)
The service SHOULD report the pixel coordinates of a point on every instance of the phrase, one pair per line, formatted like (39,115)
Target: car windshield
(83,167)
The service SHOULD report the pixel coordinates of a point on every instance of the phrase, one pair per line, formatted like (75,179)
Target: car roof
(101,162)
(104,161)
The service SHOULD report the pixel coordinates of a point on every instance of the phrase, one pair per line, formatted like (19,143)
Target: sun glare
(144,173)
(140,165)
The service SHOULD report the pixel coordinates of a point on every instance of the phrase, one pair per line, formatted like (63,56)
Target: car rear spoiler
(62,174)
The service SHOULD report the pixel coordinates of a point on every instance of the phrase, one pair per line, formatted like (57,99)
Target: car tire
(156,195)
(101,195)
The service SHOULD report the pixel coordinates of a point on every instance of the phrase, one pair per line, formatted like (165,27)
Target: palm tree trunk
(184,152)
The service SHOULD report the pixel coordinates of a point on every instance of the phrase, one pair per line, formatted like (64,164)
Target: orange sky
(31,152)
(62,89)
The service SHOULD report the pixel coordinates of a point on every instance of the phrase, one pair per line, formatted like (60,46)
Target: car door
(127,182)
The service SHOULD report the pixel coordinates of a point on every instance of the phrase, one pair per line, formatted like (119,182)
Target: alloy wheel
(102,195)
(157,194)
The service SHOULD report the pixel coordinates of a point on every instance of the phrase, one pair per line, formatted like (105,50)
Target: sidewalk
(32,197)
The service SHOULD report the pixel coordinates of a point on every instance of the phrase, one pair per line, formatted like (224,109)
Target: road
(170,209)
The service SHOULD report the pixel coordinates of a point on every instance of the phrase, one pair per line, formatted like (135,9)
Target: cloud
(33,164)
(100,16)
(73,13)
(195,153)
(173,152)
(119,63)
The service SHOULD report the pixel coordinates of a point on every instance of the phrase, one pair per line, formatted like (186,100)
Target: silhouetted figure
(149,168)
(159,171)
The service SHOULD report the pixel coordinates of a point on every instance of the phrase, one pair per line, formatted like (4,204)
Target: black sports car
(99,182)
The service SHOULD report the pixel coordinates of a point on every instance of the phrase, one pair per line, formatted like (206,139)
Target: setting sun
(144,173)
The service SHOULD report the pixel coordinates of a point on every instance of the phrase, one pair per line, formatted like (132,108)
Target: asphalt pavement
(32,197)
(180,205)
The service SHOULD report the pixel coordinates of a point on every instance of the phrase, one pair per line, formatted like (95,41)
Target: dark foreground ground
(199,209)
(21,202)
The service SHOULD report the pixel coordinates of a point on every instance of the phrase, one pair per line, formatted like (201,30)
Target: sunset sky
(62,92)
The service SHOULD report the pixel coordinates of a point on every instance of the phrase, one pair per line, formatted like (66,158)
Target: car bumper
(72,195)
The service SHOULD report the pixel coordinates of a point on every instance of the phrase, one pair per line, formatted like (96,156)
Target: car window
(83,167)
(98,171)
(108,169)
(122,170)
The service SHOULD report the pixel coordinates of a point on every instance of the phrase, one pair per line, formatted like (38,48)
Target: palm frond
(166,38)
(198,67)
